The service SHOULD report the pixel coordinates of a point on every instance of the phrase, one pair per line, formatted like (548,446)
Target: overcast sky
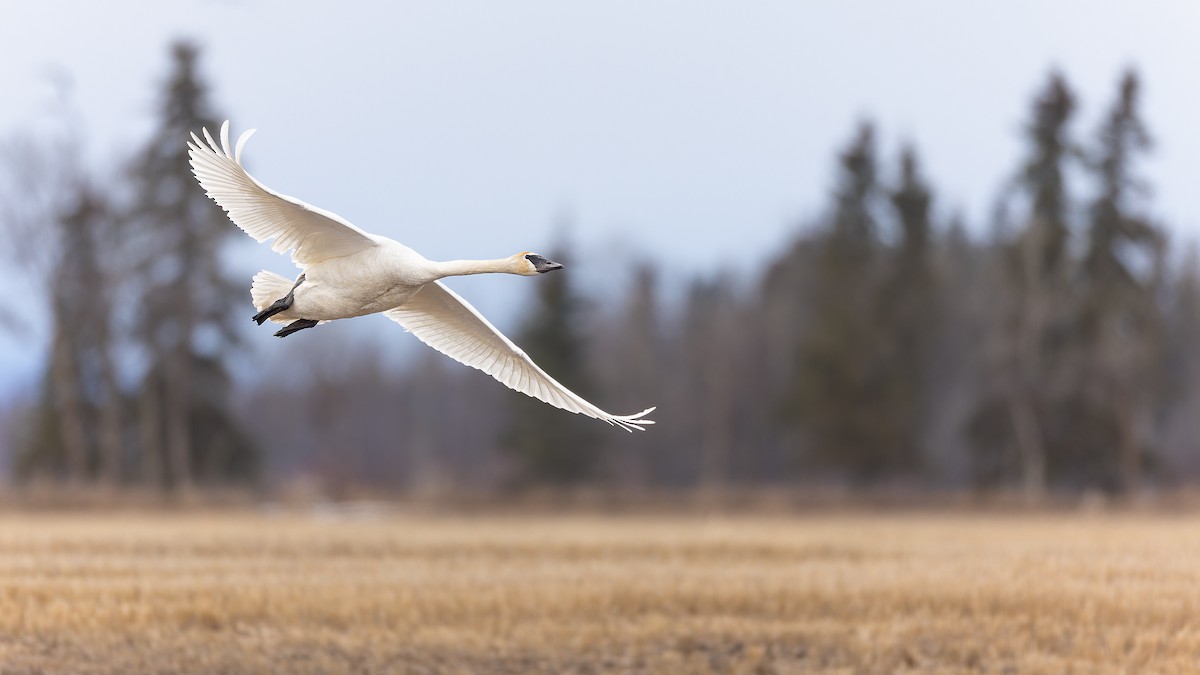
(698,133)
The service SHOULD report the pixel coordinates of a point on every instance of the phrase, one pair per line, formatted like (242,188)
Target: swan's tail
(268,287)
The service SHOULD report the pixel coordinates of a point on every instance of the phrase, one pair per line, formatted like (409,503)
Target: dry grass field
(262,593)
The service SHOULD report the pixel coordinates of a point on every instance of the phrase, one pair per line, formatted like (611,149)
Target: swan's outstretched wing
(313,234)
(449,324)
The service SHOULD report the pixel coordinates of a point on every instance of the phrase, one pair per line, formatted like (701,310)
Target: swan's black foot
(298,324)
(279,305)
(275,308)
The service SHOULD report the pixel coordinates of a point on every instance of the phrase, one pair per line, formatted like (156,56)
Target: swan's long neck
(458,268)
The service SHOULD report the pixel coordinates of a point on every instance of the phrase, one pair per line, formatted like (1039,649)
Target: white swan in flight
(346,272)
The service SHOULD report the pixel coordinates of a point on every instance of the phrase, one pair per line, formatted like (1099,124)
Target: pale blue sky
(697,132)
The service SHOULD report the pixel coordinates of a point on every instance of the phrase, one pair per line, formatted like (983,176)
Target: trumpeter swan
(346,272)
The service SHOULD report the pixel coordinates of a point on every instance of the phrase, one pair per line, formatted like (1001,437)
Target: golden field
(364,592)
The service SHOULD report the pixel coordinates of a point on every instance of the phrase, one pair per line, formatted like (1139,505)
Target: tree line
(889,344)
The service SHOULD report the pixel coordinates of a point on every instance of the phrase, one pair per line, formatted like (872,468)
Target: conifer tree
(634,338)
(1020,408)
(77,434)
(908,311)
(56,225)
(551,446)
(711,358)
(840,392)
(186,301)
(1119,323)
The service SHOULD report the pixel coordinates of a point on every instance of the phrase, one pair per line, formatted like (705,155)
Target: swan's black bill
(541,264)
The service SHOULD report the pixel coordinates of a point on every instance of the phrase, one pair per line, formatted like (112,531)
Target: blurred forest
(885,347)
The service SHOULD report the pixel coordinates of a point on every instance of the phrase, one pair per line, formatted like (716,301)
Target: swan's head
(532,264)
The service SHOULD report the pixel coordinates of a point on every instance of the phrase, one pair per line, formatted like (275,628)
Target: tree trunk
(150,431)
(110,423)
(1028,371)
(1029,445)
(1129,452)
(175,413)
(69,408)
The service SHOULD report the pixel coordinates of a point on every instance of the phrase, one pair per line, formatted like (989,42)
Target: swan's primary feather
(449,324)
(312,234)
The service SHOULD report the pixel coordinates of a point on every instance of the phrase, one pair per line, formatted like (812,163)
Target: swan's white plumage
(266,288)
(312,234)
(440,318)
(331,250)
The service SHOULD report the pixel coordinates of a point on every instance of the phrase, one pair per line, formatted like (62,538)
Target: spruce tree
(907,310)
(1021,407)
(553,447)
(1118,330)
(633,337)
(186,302)
(840,393)
(711,356)
(77,429)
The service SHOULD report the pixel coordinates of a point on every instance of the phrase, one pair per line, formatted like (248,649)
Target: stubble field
(388,593)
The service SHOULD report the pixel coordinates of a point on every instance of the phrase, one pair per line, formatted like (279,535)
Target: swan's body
(378,278)
(347,272)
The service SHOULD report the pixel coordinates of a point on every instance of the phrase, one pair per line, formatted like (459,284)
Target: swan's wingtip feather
(225,138)
(631,422)
(241,143)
